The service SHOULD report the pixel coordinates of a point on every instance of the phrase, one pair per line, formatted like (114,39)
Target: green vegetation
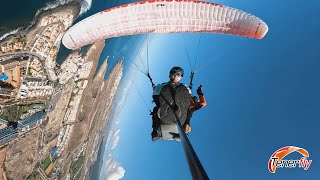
(46,163)
(44,70)
(75,167)
(37,177)
(25,108)
(14,112)
(10,113)
(29,72)
(77,177)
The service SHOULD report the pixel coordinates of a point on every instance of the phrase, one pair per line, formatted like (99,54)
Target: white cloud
(116,133)
(114,171)
(115,139)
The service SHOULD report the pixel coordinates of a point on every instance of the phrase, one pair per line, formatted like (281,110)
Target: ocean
(17,14)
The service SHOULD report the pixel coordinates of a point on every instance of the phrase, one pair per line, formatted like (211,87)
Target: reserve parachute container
(164,16)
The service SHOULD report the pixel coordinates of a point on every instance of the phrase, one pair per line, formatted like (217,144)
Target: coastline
(94,112)
(78,116)
(45,137)
(74,5)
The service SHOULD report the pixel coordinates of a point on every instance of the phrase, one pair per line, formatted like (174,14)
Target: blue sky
(262,95)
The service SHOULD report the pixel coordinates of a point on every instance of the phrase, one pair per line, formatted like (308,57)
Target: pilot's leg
(155,125)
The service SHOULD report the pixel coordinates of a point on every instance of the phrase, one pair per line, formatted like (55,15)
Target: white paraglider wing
(164,16)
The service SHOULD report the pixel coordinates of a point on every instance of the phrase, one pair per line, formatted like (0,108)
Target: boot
(154,135)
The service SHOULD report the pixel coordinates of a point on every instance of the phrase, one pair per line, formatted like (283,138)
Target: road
(23,53)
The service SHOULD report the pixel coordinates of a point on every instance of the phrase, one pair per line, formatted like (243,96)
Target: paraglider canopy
(165,16)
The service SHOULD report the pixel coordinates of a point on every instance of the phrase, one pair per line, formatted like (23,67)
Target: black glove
(199,90)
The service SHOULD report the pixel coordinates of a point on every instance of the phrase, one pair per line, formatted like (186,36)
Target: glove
(199,90)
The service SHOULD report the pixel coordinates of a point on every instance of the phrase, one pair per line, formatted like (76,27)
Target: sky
(262,95)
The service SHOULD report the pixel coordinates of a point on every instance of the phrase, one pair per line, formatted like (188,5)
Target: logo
(277,161)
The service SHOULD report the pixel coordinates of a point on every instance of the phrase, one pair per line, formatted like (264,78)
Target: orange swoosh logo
(283,152)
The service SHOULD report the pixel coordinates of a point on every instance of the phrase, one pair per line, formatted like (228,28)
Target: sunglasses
(177,74)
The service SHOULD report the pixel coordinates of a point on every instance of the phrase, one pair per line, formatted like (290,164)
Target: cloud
(115,139)
(114,171)
(116,133)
